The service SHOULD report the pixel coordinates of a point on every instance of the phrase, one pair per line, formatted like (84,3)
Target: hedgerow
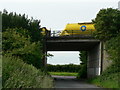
(63,68)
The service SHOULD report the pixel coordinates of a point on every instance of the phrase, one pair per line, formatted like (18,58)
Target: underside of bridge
(93,46)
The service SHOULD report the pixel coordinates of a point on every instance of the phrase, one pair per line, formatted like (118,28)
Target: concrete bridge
(94,47)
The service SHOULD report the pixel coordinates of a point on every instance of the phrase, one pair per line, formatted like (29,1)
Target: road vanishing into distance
(71,82)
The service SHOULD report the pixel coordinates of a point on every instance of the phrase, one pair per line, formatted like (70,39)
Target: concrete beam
(73,40)
(71,45)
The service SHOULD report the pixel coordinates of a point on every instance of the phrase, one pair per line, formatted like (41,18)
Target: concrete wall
(94,61)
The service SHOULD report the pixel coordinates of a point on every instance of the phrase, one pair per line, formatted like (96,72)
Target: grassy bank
(17,74)
(63,73)
(110,78)
(110,81)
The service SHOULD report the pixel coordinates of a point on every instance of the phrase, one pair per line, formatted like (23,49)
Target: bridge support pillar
(94,61)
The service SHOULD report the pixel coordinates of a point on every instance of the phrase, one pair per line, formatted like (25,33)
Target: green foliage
(22,50)
(113,48)
(13,39)
(18,44)
(64,73)
(83,66)
(63,68)
(107,23)
(17,74)
(82,72)
(107,80)
(83,57)
(13,20)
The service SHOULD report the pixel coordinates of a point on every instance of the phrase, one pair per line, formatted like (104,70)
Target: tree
(107,23)
(83,66)
(13,20)
(22,38)
(16,44)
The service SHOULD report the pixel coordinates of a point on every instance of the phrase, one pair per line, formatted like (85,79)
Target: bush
(83,66)
(18,44)
(14,20)
(82,72)
(107,24)
(17,74)
(113,48)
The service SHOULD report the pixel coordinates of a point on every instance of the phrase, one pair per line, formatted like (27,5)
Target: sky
(55,14)
(64,57)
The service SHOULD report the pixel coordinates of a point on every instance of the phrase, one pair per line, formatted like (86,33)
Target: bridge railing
(68,33)
(56,33)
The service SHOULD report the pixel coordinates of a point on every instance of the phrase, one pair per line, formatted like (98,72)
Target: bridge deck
(72,43)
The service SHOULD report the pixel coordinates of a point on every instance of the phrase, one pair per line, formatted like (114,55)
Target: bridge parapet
(71,34)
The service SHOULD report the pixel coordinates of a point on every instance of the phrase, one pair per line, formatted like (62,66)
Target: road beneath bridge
(71,82)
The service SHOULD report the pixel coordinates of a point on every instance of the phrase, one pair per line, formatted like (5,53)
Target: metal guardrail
(57,33)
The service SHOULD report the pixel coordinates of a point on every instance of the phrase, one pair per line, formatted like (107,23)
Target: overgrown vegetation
(15,43)
(22,53)
(107,24)
(22,38)
(17,74)
(14,20)
(82,73)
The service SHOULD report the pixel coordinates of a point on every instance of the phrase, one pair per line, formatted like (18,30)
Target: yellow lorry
(78,29)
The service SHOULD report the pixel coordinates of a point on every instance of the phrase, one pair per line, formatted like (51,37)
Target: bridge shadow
(64,77)
(71,82)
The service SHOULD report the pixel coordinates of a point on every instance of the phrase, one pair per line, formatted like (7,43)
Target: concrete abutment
(94,61)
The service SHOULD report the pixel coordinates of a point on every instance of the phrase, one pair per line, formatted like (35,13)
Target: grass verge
(108,81)
(63,73)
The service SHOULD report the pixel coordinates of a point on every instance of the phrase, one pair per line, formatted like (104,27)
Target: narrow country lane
(71,82)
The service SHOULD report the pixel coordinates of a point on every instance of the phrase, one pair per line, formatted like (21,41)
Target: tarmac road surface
(71,82)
